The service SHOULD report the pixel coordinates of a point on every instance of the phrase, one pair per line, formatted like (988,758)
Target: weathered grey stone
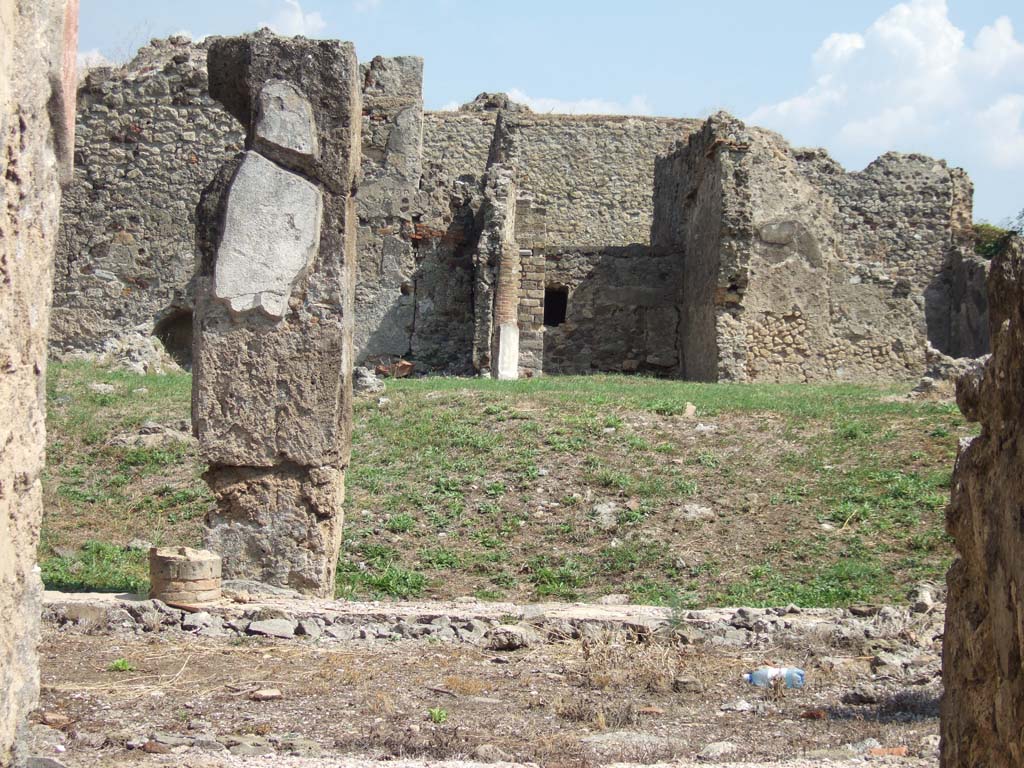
(606,515)
(512,637)
(246,745)
(983,705)
(309,628)
(272,395)
(282,527)
(365,381)
(282,628)
(717,750)
(270,237)
(285,126)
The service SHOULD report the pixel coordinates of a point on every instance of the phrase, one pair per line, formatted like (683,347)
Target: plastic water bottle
(764,676)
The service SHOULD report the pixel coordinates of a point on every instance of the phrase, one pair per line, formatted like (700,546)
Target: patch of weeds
(852,429)
(440,558)
(150,458)
(707,459)
(98,567)
(489,508)
(482,593)
(495,489)
(562,581)
(120,665)
(390,581)
(437,715)
(667,407)
(683,487)
(401,523)
(633,515)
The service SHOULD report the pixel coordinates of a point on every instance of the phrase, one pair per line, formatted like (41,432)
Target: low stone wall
(983,709)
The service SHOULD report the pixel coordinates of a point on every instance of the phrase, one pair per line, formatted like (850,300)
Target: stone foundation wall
(37,61)
(810,275)
(983,648)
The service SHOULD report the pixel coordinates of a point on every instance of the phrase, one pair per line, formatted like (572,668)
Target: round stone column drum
(184,575)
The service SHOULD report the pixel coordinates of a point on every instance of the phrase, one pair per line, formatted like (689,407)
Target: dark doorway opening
(175,333)
(556,302)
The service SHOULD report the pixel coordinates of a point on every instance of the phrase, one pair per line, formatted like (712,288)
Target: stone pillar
(37,112)
(272,391)
(496,337)
(983,647)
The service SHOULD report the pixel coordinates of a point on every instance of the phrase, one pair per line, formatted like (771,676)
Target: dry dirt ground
(119,697)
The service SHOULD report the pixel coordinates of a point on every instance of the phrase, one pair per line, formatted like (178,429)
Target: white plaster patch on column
(271,236)
(284,120)
(508,351)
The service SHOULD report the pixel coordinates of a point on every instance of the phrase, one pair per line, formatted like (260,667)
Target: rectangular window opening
(556,302)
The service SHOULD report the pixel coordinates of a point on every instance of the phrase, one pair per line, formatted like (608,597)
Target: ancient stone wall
(149,138)
(591,174)
(897,216)
(983,646)
(622,311)
(150,134)
(272,389)
(37,60)
(817,275)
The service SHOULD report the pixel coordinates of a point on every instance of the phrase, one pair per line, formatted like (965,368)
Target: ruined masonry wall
(149,138)
(800,291)
(592,175)
(982,716)
(37,55)
(623,311)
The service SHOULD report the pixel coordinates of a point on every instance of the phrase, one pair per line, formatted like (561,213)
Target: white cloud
(837,47)
(637,105)
(1002,124)
(292,20)
(912,81)
(92,58)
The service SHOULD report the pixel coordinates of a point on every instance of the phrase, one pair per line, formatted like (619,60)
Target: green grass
(824,494)
(98,567)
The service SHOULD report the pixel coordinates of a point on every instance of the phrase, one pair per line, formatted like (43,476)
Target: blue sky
(859,78)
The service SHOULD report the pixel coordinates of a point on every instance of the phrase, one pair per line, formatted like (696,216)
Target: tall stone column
(37,120)
(271,397)
(496,336)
